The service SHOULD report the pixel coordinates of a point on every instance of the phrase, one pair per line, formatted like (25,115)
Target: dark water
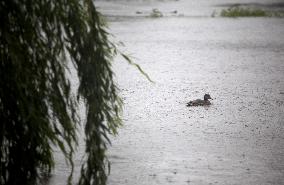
(239,139)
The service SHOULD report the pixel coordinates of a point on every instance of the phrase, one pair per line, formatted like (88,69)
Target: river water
(239,139)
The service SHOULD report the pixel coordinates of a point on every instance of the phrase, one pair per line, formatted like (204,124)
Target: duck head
(207,97)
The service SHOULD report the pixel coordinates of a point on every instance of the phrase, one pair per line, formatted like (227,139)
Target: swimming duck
(200,102)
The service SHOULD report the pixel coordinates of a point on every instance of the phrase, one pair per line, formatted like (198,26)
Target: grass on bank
(243,12)
(249,12)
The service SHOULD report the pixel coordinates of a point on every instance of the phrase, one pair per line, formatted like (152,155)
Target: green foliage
(156,13)
(37,109)
(137,66)
(237,11)
(279,14)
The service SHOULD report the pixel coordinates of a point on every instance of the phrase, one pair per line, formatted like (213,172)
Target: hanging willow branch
(37,109)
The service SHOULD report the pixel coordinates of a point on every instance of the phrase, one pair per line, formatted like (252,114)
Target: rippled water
(239,139)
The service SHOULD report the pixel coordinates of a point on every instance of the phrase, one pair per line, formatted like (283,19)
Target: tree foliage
(37,108)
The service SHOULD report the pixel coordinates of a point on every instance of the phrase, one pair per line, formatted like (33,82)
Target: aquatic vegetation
(156,13)
(237,11)
(279,14)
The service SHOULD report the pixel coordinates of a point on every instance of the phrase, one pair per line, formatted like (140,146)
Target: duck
(200,102)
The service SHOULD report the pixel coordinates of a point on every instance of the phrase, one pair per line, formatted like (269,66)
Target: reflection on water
(238,139)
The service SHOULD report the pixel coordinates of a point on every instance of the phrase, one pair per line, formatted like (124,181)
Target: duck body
(200,102)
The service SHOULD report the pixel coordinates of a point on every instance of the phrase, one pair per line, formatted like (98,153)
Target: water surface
(239,139)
